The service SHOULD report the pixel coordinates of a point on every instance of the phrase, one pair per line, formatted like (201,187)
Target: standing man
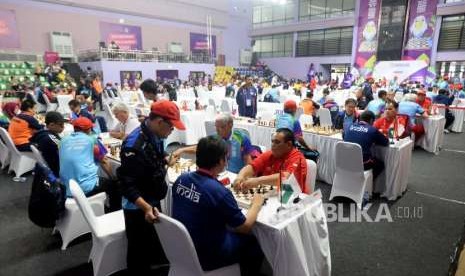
(142,174)
(246,99)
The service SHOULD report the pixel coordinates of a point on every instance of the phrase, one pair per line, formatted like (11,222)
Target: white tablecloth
(434,134)
(459,114)
(295,243)
(394,156)
(299,244)
(392,182)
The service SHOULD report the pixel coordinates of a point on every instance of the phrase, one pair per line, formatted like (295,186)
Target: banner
(130,79)
(199,43)
(167,74)
(422,21)
(402,69)
(367,37)
(125,36)
(9,37)
(51,57)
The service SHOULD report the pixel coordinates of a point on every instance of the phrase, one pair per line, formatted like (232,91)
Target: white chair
(109,243)
(4,155)
(312,171)
(351,180)
(38,156)
(20,162)
(180,251)
(325,117)
(306,120)
(299,112)
(210,128)
(225,106)
(210,113)
(71,224)
(50,106)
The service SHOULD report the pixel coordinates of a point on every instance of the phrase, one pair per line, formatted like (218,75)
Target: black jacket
(47,142)
(143,167)
(339,120)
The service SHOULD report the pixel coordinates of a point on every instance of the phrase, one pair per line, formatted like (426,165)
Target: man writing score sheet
(283,159)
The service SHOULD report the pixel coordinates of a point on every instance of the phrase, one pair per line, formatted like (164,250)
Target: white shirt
(131,124)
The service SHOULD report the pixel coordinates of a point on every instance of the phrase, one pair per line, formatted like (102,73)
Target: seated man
(409,107)
(80,154)
(272,96)
(240,148)
(23,126)
(48,139)
(308,105)
(347,117)
(364,134)
(423,101)
(445,99)
(391,121)
(283,157)
(287,120)
(126,123)
(377,106)
(77,112)
(361,100)
(211,214)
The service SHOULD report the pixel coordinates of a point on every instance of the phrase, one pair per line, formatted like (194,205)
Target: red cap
(83,123)
(290,105)
(169,111)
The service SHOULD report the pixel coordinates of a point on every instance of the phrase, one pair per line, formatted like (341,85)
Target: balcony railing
(141,56)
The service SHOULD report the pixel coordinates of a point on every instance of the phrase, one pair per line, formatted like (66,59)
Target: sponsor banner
(402,69)
(125,36)
(421,25)
(367,37)
(199,43)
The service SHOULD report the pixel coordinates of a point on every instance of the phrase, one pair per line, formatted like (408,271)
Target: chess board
(113,146)
(326,131)
(244,199)
(182,166)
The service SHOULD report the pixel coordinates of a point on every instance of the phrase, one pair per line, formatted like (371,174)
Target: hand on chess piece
(258,200)
(172,159)
(250,183)
(237,183)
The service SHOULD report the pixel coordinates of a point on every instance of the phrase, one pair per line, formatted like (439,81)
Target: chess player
(80,155)
(142,174)
(390,120)
(364,134)
(211,215)
(346,117)
(239,145)
(23,126)
(48,139)
(126,124)
(283,157)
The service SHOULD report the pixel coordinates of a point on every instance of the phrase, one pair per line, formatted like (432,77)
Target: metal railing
(141,56)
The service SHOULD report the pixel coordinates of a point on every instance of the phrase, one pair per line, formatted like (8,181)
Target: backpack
(48,196)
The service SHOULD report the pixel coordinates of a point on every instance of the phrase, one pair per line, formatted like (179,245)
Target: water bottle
(391,135)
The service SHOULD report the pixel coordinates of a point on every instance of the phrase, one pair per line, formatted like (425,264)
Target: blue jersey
(77,161)
(207,209)
(410,109)
(366,136)
(377,106)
